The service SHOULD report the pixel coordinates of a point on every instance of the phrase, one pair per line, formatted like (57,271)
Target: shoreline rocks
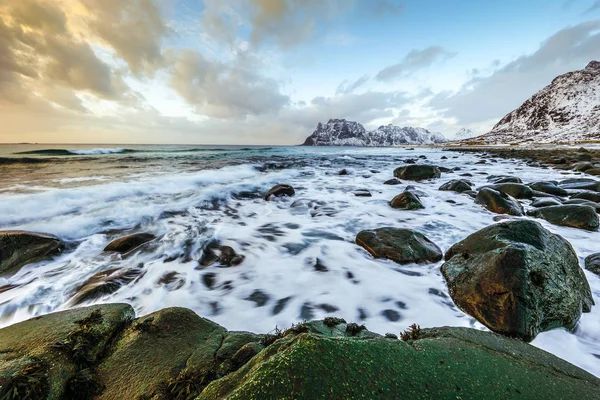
(129,243)
(403,246)
(417,172)
(499,202)
(518,279)
(407,201)
(572,215)
(279,191)
(19,248)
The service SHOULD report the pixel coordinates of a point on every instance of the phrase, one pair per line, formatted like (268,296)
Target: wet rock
(281,304)
(446,170)
(18,248)
(575,216)
(362,193)
(584,202)
(279,191)
(457,185)
(105,283)
(225,256)
(393,181)
(320,267)
(407,201)
(417,172)
(548,187)
(592,263)
(343,172)
(516,190)
(209,279)
(518,279)
(128,243)
(403,246)
(172,281)
(593,171)
(503,179)
(391,315)
(582,166)
(587,195)
(259,297)
(499,202)
(580,184)
(545,202)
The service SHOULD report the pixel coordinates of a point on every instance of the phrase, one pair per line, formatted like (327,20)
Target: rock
(457,185)
(592,263)
(343,172)
(279,191)
(548,187)
(403,246)
(499,202)
(518,279)
(171,281)
(18,248)
(461,360)
(225,256)
(575,216)
(580,184)
(128,243)
(407,201)
(446,170)
(584,202)
(587,195)
(362,193)
(516,190)
(393,181)
(417,172)
(593,171)
(582,166)
(104,283)
(545,202)
(503,179)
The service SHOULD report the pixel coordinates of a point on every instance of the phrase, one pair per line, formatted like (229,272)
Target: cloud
(386,7)
(593,7)
(224,90)
(491,97)
(414,61)
(347,87)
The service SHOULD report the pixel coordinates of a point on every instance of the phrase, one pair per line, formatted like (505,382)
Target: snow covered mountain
(464,133)
(340,132)
(567,110)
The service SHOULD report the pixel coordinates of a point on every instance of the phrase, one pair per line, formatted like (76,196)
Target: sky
(267,71)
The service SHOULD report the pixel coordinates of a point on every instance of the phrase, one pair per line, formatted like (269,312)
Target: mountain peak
(593,66)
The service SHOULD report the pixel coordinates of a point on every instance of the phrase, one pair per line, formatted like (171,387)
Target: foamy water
(187,198)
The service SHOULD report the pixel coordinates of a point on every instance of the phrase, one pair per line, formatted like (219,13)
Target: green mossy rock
(18,248)
(445,363)
(417,172)
(518,279)
(407,201)
(403,246)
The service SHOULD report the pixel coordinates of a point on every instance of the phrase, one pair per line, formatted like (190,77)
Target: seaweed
(412,333)
(354,329)
(271,338)
(297,329)
(391,336)
(333,321)
(30,382)
(187,385)
(83,386)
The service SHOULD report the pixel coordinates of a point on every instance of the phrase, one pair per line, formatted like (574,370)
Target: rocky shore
(515,277)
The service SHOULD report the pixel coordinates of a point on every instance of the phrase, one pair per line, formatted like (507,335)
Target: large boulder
(128,243)
(499,202)
(407,201)
(572,215)
(403,246)
(417,172)
(18,248)
(441,363)
(518,279)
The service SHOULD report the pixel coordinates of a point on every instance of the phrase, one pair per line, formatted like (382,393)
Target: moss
(412,333)
(271,338)
(83,385)
(145,326)
(333,321)
(297,329)
(391,336)
(187,385)
(354,329)
(30,382)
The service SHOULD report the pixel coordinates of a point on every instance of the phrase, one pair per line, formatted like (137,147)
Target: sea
(300,257)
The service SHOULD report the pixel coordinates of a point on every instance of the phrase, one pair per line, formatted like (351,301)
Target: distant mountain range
(464,133)
(340,132)
(567,110)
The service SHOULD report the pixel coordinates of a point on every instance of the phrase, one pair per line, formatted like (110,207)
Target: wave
(101,151)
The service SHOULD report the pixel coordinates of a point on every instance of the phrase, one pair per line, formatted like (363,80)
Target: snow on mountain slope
(567,110)
(340,132)
(464,133)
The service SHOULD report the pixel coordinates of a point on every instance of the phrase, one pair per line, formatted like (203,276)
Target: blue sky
(267,71)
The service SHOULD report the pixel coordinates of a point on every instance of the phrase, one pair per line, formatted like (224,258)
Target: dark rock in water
(259,297)
(280,190)
(499,202)
(407,201)
(584,202)
(516,190)
(343,172)
(403,246)
(457,185)
(105,283)
(225,256)
(362,193)
(580,184)
(391,315)
(280,305)
(172,281)
(417,172)
(545,202)
(575,216)
(593,171)
(518,279)
(470,193)
(503,179)
(592,263)
(101,352)
(320,267)
(18,248)
(587,195)
(446,170)
(393,181)
(548,187)
(128,243)
(209,279)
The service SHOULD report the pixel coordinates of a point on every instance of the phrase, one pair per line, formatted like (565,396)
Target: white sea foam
(281,244)
(96,151)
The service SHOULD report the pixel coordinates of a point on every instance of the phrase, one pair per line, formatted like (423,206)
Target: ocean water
(190,195)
